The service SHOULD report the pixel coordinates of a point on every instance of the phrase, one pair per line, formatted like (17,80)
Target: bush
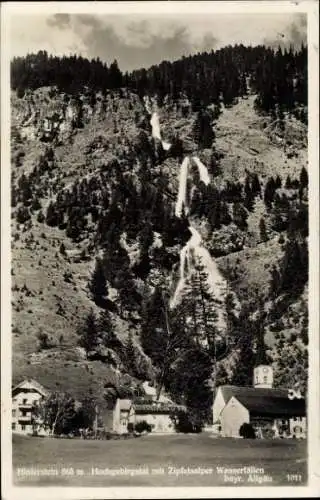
(142,426)
(130,427)
(44,341)
(247,431)
(23,215)
(182,423)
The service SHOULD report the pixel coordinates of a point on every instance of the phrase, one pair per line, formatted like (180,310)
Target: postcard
(160,249)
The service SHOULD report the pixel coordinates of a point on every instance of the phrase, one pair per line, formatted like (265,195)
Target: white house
(157,414)
(24,396)
(261,405)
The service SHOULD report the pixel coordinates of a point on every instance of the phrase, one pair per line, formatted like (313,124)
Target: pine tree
(199,307)
(249,194)
(278,182)
(153,331)
(115,75)
(288,184)
(130,355)
(269,192)
(202,130)
(98,283)
(240,216)
(303,178)
(263,230)
(88,333)
(255,185)
(275,282)
(189,384)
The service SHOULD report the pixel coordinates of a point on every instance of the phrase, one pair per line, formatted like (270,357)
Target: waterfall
(182,193)
(155,123)
(217,284)
(203,171)
(194,248)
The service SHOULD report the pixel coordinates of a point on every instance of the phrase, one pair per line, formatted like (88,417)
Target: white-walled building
(24,396)
(157,414)
(261,405)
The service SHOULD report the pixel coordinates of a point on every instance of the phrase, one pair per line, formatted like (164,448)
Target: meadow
(173,460)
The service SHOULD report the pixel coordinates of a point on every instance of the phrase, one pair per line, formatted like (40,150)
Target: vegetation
(247,431)
(119,215)
(278,77)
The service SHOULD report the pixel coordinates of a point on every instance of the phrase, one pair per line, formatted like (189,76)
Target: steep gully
(193,249)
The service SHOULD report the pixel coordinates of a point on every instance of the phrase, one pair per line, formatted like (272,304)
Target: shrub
(43,339)
(182,423)
(130,427)
(247,431)
(142,426)
(62,249)
(23,214)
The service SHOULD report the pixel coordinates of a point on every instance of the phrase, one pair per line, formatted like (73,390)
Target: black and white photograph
(161,261)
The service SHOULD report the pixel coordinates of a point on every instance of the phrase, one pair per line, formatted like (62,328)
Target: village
(260,411)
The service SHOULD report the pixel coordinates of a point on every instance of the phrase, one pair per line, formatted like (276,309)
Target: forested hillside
(98,244)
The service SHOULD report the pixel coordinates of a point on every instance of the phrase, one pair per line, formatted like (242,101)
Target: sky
(140,40)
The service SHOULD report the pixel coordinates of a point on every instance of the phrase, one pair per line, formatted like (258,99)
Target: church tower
(263,377)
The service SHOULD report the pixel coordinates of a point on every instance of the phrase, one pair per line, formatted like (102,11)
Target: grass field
(157,459)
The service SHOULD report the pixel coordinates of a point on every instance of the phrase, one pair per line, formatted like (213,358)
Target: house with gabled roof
(24,396)
(262,405)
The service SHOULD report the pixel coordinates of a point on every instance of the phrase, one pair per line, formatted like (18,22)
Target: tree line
(278,77)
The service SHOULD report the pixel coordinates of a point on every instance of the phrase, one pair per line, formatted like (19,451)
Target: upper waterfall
(155,123)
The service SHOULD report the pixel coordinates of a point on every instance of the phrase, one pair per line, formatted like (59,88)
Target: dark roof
(233,390)
(158,408)
(273,406)
(266,402)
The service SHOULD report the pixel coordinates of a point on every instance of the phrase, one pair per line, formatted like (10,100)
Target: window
(24,401)
(13,413)
(23,427)
(265,379)
(13,426)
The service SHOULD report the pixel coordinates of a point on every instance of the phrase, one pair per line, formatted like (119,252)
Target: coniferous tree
(98,283)
(303,178)
(278,182)
(255,185)
(88,333)
(263,230)
(130,355)
(288,184)
(269,192)
(249,194)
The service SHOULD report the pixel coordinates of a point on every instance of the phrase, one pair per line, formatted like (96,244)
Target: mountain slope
(104,144)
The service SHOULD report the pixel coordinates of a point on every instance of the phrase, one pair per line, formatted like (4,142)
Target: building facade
(157,414)
(24,396)
(270,411)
